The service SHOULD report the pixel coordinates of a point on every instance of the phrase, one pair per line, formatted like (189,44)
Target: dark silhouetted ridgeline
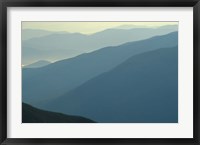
(34,115)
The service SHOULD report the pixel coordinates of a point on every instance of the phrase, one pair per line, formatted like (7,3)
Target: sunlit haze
(89,27)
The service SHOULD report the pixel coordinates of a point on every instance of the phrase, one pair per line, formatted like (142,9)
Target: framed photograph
(99,72)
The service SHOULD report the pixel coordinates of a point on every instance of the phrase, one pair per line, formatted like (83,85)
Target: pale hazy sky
(88,27)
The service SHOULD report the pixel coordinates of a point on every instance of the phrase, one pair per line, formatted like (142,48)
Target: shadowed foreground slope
(34,115)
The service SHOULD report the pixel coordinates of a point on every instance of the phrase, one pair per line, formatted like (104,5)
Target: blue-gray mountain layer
(54,80)
(143,89)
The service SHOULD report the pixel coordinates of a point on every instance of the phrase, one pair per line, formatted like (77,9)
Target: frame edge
(3,73)
(196,69)
(3,84)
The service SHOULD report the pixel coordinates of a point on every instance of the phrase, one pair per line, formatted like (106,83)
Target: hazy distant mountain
(32,33)
(66,45)
(143,89)
(38,64)
(34,115)
(169,27)
(172,27)
(131,26)
(43,84)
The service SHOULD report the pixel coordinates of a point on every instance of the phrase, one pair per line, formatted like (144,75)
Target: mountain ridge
(42,82)
(126,94)
(38,64)
(47,47)
(31,114)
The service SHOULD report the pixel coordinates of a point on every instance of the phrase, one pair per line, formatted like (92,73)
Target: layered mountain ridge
(31,114)
(143,89)
(53,46)
(42,84)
